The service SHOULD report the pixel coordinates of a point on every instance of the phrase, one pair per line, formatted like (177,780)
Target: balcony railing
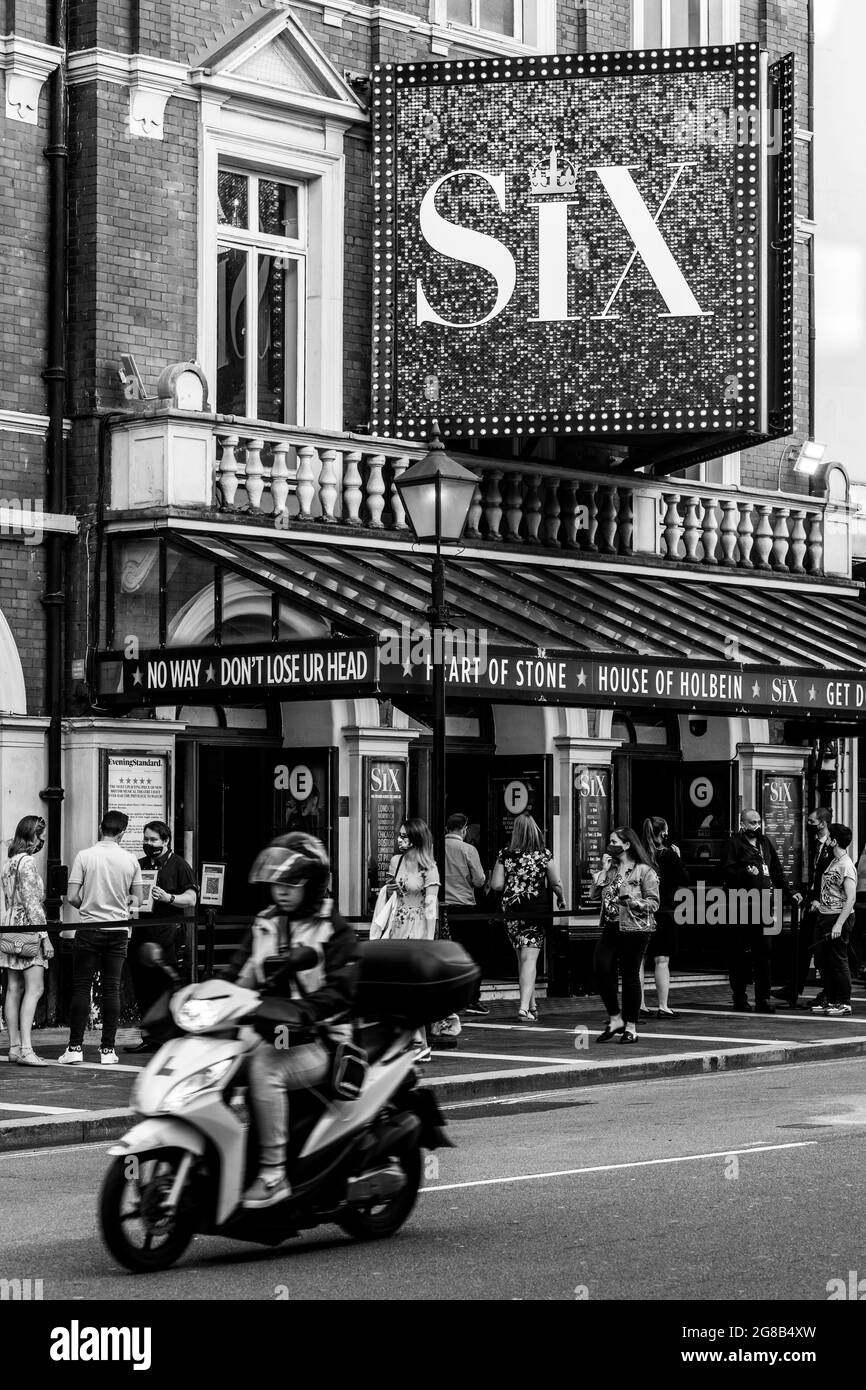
(295,479)
(298,480)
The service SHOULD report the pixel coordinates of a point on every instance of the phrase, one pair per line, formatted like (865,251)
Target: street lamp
(437,494)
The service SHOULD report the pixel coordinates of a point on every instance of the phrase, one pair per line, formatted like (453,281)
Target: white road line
(47,1109)
(106,1067)
(504,1057)
(647,1034)
(783,1015)
(617,1167)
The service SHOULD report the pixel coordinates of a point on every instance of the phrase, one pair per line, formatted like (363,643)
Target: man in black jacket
(752,862)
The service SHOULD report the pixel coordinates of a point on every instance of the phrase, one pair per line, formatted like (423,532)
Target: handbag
(25,944)
(386,904)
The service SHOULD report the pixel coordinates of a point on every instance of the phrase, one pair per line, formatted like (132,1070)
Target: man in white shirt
(104,881)
(463,874)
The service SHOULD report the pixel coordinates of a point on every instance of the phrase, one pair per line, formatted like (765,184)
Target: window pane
(716,24)
(530,22)
(459,11)
(652,23)
(685,23)
(278,338)
(278,209)
(231,331)
(232,199)
(497,16)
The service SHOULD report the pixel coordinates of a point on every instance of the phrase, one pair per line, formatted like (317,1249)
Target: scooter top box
(420,981)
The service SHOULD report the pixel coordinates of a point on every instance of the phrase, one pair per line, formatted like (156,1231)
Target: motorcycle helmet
(298,859)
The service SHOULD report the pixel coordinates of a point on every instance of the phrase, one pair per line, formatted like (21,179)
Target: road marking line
(647,1035)
(46,1109)
(617,1167)
(786,1015)
(505,1057)
(106,1067)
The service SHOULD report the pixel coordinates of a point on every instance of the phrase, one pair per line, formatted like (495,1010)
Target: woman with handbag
(628,887)
(25,949)
(415,905)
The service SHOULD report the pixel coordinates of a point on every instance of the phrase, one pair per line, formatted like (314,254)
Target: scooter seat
(373,1036)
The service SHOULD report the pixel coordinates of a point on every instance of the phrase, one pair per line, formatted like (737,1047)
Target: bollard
(209,943)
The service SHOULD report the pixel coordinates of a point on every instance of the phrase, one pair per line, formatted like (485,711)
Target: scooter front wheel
(383,1218)
(140,1233)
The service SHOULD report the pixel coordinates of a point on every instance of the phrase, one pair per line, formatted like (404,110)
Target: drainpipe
(54,375)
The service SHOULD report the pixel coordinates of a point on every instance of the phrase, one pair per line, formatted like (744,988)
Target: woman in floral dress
(523,873)
(24,896)
(415,875)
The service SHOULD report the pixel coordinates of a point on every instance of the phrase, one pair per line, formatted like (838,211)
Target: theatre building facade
(299,235)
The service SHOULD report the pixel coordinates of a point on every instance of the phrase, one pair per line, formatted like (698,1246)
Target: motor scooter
(183,1168)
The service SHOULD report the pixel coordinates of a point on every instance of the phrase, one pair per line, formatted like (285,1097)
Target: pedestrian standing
(104,881)
(463,874)
(835,913)
(25,949)
(416,878)
(751,861)
(665,859)
(820,859)
(174,891)
(525,873)
(628,887)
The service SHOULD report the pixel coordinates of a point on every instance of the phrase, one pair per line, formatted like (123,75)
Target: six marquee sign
(567,244)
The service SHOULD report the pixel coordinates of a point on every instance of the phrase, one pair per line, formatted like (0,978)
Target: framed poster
(780,798)
(591,827)
(213,877)
(384,810)
(137,783)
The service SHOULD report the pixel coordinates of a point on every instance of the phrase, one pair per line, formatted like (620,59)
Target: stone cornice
(27,64)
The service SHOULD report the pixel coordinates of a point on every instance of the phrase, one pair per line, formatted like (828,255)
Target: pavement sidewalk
(497,1060)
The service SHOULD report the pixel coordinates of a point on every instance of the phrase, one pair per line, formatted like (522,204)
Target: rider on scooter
(298,870)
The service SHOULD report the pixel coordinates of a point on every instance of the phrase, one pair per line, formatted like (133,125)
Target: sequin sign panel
(571,244)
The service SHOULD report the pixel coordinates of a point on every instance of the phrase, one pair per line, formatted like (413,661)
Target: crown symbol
(553,175)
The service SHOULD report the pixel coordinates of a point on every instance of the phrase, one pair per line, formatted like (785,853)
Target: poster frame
(164,757)
(366,764)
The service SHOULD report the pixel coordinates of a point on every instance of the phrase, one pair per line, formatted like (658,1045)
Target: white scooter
(184,1167)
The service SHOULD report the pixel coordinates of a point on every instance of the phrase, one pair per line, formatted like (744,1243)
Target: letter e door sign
(516,798)
(300,782)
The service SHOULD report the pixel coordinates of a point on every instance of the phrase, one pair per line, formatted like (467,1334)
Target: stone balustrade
(297,477)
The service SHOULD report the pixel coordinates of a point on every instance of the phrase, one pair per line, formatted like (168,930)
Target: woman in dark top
(627,886)
(665,859)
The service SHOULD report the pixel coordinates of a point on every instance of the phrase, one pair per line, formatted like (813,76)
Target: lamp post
(436,494)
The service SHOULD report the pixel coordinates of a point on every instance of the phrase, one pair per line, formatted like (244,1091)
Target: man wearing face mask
(175,889)
(751,861)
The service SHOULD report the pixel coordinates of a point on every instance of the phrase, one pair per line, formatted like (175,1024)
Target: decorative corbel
(28,66)
(152,82)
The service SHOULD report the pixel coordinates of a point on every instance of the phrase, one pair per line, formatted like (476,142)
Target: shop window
(684,23)
(650,730)
(261,252)
(530,22)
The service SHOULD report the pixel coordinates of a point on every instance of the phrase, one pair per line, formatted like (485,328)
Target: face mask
(753,831)
(153,851)
(614,850)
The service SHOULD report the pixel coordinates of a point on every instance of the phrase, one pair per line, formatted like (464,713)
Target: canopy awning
(587,610)
(548,629)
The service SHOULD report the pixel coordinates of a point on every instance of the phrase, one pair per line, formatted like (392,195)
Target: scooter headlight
(198,1015)
(182,1093)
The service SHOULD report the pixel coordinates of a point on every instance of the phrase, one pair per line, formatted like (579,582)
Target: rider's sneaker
(107,1056)
(266,1191)
(72,1054)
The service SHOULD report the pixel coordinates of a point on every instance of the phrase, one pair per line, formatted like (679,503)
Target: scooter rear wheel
(130,1197)
(380,1220)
